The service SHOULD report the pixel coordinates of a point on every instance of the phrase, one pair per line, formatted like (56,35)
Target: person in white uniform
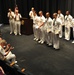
(41,27)
(5,50)
(48,29)
(68,24)
(17,18)
(31,13)
(73,29)
(11,20)
(35,25)
(56,30)
(61,17)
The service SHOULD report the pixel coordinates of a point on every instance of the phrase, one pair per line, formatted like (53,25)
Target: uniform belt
(11,19)
(17,20)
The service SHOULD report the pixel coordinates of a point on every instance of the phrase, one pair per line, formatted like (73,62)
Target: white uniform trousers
(60,31)
(11,56)
(35,31)
(11,21)
(49,38)
(17,27)
(67,33)
(42,34)
(56,41)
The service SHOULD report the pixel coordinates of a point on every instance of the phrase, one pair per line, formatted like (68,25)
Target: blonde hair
(3,41)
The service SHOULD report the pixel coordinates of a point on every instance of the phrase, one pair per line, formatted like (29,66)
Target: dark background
(44,5)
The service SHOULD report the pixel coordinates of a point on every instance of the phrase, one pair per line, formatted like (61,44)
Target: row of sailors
(14,21)
(50,30)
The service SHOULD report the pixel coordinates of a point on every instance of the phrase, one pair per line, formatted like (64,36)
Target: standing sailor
(61,17)
(41,27)
(11,20)
(31,13)
(48,29)
(17,17)
(35,25)
(68,23)
(56,26)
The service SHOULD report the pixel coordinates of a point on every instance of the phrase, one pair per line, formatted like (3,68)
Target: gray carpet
(41,59)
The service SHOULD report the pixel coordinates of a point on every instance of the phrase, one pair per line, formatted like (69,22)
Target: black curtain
(44,5)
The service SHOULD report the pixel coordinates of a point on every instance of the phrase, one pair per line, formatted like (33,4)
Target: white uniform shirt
(49,22)
(68,21)
(10,15)
(2,51)
(31,14)
(17,17)
(56,24)
(41,20)
(61,17)
(35,19)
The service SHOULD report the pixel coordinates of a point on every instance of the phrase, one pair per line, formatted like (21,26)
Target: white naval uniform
(17,24)
(41,29)
(31,14)
(35,25)
(8,56)
(11,21)
(48,31)
(73,29)
(56,30)
(61,17)
(68,24)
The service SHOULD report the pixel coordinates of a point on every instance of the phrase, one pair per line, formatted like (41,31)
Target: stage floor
(40,59)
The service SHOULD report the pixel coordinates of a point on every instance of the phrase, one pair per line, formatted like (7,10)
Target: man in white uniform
(56,30)
(41,27)
(61,17)
(31,13)
(35,25)
(48,29)
(73,29)
(17,18)
(11,20)
(5,50)
(68,24)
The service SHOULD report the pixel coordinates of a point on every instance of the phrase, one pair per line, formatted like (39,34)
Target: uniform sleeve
(13,14)
(44,19)
(30,13)
(2,51)
(70,18)
(20,16)
(8,15)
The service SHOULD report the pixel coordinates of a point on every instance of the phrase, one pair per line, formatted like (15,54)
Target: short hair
(32,8)
(55,14)
(68,11)
(3,41)
(48,13)
(59,10)
(40,12)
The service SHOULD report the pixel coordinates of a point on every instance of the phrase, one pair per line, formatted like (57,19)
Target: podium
(26,26)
